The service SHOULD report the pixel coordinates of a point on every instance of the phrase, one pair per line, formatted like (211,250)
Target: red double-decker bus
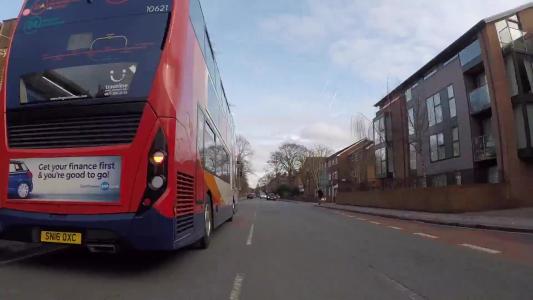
(115,127)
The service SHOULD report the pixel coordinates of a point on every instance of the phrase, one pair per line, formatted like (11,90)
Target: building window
(451,102)
(458,178)
(412,156)
(411,116)
(456,143)
(381,162)
(434,107)
(437,147)
(440,181)
(409,95)
(509,30)
(379,131)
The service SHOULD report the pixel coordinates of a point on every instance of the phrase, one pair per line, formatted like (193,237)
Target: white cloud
(380,39)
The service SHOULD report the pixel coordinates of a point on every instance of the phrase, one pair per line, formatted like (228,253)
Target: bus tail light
(157,172)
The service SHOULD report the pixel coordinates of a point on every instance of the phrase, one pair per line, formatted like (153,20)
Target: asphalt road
(284,250)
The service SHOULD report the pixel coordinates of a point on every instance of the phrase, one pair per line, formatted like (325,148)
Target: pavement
(513,220)
(284,250)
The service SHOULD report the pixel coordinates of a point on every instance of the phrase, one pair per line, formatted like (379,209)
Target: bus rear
(88,126)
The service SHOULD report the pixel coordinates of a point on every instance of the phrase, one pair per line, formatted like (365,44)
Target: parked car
(20,182)
(272,197)
(251,196)
(263,196)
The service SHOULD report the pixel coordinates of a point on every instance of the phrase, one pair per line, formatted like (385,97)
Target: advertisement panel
(80,179)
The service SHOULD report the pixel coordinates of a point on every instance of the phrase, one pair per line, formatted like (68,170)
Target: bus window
(93,59)
(200,136)
(210,149)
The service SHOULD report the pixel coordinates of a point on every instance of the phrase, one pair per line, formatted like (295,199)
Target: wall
(452,199)
(446,76)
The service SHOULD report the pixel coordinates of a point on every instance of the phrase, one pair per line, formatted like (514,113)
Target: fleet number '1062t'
(157,8)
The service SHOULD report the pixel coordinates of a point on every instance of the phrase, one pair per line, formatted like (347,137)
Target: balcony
(479,100)
(484,148)
(470,57)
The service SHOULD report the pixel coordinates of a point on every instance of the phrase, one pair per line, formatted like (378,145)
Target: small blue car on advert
(20,183)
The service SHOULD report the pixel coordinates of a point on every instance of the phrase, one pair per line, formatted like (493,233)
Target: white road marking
(250,236)
(429,236)
(349,216)
(30,255)
(395,228)
(237,287)
(375,223)
(483,249)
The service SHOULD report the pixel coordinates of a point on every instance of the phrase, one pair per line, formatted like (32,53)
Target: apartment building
(465,117)
(341,171)
(6,30)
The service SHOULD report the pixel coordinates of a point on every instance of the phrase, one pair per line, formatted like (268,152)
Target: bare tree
(244,153)
(361,127)
(288,159)
(418,131)
(314,165)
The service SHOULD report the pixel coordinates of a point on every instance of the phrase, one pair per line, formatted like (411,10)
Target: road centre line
(395,228)
(375,223)
(482,249)
(426,235)
(250,236)
(237,287)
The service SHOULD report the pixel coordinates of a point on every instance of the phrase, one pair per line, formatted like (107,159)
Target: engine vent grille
(184,203)
(75,132)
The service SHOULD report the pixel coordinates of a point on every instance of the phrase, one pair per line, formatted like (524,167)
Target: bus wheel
(232,212)
(23,190)
(208,225)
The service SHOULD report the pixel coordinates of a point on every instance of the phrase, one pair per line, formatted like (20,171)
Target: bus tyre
(23,190)
(208,225)
(232,212)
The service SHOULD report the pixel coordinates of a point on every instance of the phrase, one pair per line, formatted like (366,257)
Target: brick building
(342,174)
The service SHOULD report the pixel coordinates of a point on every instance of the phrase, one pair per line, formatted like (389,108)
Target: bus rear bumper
(150,231)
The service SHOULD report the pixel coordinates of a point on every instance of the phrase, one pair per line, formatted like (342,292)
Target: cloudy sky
(299,70)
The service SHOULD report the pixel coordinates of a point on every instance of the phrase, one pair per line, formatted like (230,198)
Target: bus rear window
(86,60)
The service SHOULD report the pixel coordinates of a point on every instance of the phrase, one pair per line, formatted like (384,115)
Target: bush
(286,191)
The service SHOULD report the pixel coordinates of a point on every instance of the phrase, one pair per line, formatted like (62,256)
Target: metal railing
(484,148)
(479,99)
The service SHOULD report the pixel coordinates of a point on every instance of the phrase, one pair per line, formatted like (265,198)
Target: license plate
(57,237)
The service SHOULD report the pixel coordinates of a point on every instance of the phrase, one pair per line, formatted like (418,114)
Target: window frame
(412,157)
(411,121)
(437,147)
(456,141)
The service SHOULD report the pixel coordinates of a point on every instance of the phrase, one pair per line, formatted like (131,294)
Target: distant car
(263,196)
(272,197)
(251,196)
(20,182)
